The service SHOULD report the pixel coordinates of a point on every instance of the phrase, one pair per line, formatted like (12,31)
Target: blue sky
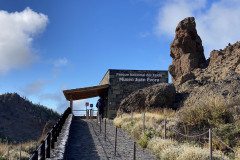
(47,46)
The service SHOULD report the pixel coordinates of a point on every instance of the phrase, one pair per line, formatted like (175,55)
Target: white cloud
(17,31)
(79,103)
(61,62)
(217,23)
(34,88)
(56,99)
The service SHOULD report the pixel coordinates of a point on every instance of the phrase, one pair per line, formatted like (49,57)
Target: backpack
(100,104)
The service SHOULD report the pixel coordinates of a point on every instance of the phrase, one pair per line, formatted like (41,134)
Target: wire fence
(209,132)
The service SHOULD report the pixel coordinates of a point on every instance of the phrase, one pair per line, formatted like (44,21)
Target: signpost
(87,104)
(91,105)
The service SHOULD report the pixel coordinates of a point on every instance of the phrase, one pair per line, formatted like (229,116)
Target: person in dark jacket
(100,105)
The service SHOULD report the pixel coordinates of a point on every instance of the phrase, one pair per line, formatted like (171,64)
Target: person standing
(100,105)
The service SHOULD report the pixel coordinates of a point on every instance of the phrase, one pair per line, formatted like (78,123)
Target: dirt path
(87,143)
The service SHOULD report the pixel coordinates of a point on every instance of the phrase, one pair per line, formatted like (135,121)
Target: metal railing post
(132,115)
(105,129)
(90,113)
(210,143)
(165,128)
(115,144)
(8,153)
(53,137)
(143,122)
(36,155)
(20,151)
(43,151)
(48,145)
(97,116)
(134,150)
(100,126)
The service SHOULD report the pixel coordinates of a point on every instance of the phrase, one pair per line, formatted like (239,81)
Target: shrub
(204,117)
(136,130)
(3,158)
(146,137)
(143,142)
(229,134)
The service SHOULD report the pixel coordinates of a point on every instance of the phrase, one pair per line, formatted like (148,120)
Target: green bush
(132,123)
(147,136)
(3,158)
(229,134)
(143,142)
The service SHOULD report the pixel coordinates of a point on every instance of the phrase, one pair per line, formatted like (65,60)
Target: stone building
(116,85)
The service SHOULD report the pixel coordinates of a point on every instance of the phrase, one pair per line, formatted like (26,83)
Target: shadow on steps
(80,144)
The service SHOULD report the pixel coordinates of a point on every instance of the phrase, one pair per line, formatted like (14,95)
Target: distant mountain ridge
(21,120)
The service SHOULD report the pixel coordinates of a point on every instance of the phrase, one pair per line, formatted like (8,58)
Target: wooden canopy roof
(88,92)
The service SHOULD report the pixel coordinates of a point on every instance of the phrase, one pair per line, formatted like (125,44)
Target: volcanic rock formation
(197,81)
(186,51)
(218,78)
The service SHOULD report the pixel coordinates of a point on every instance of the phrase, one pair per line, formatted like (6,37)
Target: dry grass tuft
(171,150)
(151,117)
(197,153)
(3,149)
(157,144)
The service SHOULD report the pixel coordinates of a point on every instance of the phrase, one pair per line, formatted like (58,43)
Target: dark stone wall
(124,82)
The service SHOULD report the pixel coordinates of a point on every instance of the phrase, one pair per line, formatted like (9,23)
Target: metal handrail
(51,137)
(39,147)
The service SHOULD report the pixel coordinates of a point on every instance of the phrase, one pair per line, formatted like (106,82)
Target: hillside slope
(21,120)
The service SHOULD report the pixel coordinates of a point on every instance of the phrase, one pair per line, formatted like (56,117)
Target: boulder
(161,95)
(186,51)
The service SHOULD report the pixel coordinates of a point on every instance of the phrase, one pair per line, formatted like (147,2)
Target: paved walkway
(87,143)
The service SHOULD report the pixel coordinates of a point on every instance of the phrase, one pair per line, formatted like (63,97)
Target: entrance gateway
(116,85)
